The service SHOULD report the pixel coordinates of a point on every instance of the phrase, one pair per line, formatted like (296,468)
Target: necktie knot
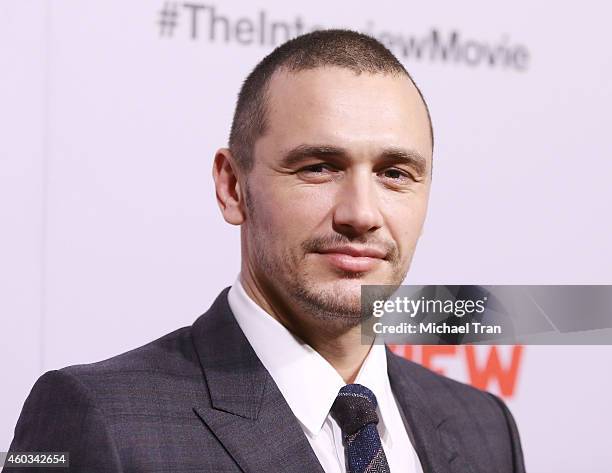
(354,407)
(355,411)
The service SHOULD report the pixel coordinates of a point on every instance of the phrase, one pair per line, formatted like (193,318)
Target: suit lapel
(423,424)
(248,413)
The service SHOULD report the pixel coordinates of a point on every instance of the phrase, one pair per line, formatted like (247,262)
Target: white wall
(110,232)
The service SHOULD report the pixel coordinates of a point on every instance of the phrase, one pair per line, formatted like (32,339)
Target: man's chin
(337,296)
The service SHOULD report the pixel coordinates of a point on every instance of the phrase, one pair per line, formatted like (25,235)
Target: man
(328,174)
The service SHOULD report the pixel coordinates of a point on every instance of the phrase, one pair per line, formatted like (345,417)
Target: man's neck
(343,349)
(346,354)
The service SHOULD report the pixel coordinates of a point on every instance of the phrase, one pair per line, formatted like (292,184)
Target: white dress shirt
(310,385)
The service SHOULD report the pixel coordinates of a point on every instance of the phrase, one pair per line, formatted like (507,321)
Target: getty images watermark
(466,314)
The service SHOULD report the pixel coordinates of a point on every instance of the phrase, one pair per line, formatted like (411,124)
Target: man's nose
(357,210)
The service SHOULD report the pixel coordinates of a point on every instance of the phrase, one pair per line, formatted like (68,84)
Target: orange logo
(482,372)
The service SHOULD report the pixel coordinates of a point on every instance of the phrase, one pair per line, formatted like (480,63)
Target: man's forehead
(318,104)
(285,81)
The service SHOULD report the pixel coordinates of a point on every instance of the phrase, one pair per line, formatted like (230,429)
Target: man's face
(338,192)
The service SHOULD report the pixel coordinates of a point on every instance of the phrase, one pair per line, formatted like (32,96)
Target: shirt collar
(307,381)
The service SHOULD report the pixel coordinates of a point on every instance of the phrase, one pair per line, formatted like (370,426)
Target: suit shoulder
(59,415)
(162,353)
(169,359)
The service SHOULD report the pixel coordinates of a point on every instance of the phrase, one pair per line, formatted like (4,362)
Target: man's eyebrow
(391,155)
(302,152)
(408,157)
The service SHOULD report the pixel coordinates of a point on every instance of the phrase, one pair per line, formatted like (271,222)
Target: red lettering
(429,352)
(481,377)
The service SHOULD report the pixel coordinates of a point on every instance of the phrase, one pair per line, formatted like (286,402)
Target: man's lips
(353,259)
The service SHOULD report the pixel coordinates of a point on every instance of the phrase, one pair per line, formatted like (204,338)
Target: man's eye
(317,168)
(396,174)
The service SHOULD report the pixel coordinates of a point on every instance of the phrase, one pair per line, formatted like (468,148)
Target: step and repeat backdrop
(111,112)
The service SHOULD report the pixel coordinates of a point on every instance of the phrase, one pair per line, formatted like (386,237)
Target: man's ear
(227,187)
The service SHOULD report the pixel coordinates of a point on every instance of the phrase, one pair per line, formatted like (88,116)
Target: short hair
(334,47)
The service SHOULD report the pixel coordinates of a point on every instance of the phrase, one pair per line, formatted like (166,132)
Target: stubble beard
(287,275)
(330,303)
(303,294)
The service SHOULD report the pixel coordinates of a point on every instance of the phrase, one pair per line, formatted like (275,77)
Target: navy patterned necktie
(355,411)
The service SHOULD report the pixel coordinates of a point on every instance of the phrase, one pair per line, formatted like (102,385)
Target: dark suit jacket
(199,399)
